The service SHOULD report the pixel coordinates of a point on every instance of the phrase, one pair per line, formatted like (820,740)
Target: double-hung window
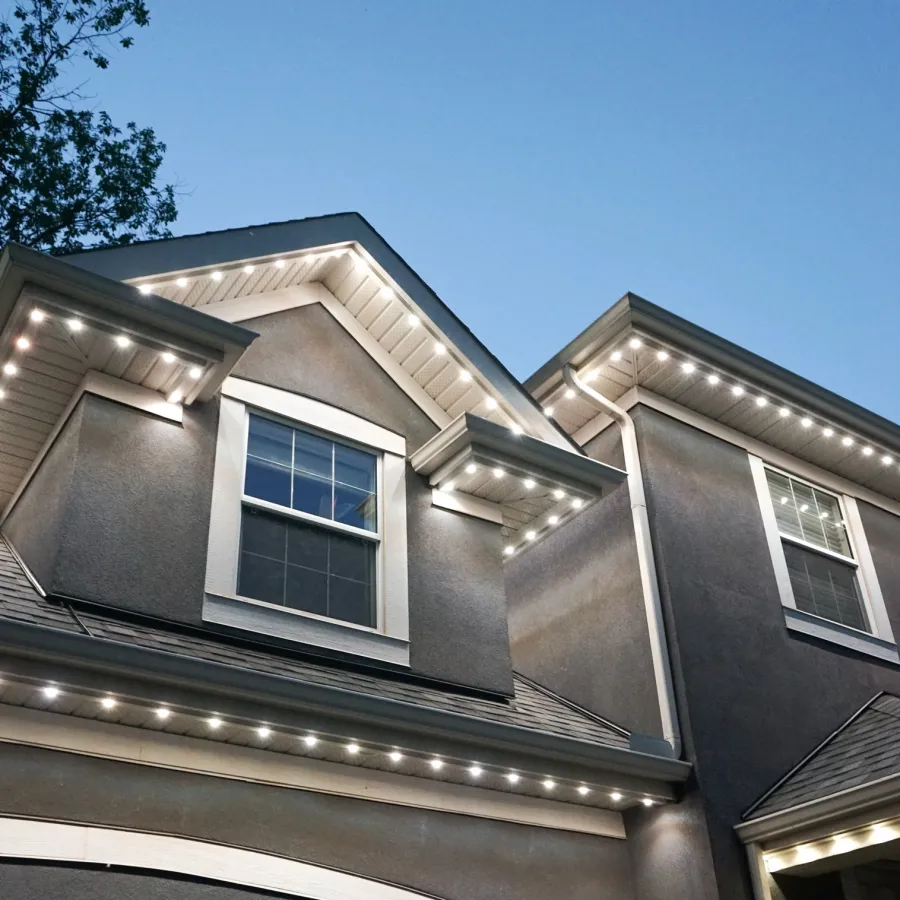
(307,534)
(822,563)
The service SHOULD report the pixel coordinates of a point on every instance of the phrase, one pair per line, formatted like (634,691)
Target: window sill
(292,625)
(825,630)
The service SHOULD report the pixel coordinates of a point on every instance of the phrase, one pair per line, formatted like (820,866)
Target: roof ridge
(810,756)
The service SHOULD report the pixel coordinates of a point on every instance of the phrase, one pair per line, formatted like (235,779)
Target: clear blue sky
(735,162)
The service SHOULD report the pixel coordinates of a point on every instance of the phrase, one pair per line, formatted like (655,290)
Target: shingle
(532,706)
(865,749)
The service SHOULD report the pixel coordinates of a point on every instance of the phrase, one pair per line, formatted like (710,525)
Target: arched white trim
(61,842)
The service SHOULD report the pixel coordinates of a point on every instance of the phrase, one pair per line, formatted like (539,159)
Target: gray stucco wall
(450,856)
(754,698)
(119,512)
(577,620)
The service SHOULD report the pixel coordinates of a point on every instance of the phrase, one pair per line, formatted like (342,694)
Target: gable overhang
(371,282)
(637,348)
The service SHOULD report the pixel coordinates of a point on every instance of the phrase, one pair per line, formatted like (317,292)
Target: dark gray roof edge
(809,756)
(50,271)
(632,310)
(26,639)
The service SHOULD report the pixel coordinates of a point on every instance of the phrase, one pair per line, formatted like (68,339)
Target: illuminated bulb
(248,270)
(737,390)
(713,378)
(216,276)
(553,520)
(385,292)
(548,411)
(436,764)
(475,770)
(51,691)
(471,469)
(439,348)
(549,784)
(577,503)
(784,412)
(828,432)
(530,535)
(10,369)
(886,460)
(784,500)
(175,397)
(615,796)
(107,702)
(512,777)
(310,740)
(515,429)
(662,356)
(823,515)
(806,422)
(162,712)
(847,441)
(195,372)
(413,321)
(75,324)
(352,748)
(23,343)
(616,356)
(279,263)
(634,343)
(264,731)
(559,493)
(688,367)
(121,340)
(867,451)
(181,282)
(584,790)
(569,394)
(490,403)
(804,507)
(214,722)
(528,483)
(36,315)
(465,375)
(395,756)
(509,550)
(168,357)
(497,473)
(647,801)
(145,288)
(761,401)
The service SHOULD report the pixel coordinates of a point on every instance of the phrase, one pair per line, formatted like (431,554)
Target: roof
(865,749)
(532,706)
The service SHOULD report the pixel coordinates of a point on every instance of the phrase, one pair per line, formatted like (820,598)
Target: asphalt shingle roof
(864,749)
(532,706)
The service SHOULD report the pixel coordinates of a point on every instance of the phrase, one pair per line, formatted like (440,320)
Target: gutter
(659,651)
(79,650)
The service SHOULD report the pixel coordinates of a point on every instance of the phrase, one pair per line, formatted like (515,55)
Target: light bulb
(465,375)
(216,276)
(867,451)
(353,748)
(121,340)
(471,469)
(386,292)
(548,411)
(436,764)
(475,770)
(549,784)
(248,270)
(145,289)
(497,473)
(713,378)
(761,401)
(23,343)
(553,520)
(688,367)
(509,550)
(108,702)
(10,369)
(36,315)
(195,372)
(214,722)
(310,740)
(886,460)
(413,321)
(512,777)
(634,343)
(168,357)
(615,796)
(806,422)
(647,801)
(181,282)
(51,691)
(847,441)
(490,403)
(528,483)
(279,263)
(584,790)
(395,756)
(737,390)
(75,324)
(828,432)
(516,429)
(264,731)
(530,535)
(661,355)
(439,348)
(162,712)
(616,356)
(175,397)
(784,412)
(559,493)
(577,503)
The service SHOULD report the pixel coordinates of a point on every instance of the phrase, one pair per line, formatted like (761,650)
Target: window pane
(263,535)
(307,546)
(353,507)
(832,524)
(267,481)
(261,579)
(352,558)
(351,601)
(354,467)
(825,587)
(313,454)
(312,495)
(307,590)
(270,440)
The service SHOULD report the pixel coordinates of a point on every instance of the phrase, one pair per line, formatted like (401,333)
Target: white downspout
(659,651)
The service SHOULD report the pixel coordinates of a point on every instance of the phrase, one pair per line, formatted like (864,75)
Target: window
(822,562)
(307,534)
(318,552)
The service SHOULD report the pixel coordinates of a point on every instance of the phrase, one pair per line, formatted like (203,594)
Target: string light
(661,355)
(162,712)
(761,401)
(549,784)
(737,390)
(145,289)
(108,702)
(395,756)
(867,451)
(36,315)
(616,356)
(559,493)
(784,412)
(584,790)
(50,691)
(688,367)
(577,503)
(712,378)
(512,777)
(498,473)
(475,770)
(10,369)
(806,422)
(531,535)
(828,432)
(436,764)
(168,357)
(264,731)
(353,748)
(647,801)
(121,340)
(548,411)
(310,740)
(22,342)
(886,460)
(214,722)
(528,483)
(634,343)
(553,520)
(75,324)
(615,796)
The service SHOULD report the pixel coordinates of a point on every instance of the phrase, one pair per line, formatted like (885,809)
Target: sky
(736,163)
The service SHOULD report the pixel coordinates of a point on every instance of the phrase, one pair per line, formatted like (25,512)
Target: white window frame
(388,640)
(879,641)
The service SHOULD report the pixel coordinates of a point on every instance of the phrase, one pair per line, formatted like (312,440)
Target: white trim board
(93,845)
(254,306)
(87,737)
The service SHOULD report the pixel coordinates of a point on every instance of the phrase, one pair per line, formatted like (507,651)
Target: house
(303,594)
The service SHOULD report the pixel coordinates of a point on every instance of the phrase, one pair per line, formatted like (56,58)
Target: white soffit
(636,358)
(398,327)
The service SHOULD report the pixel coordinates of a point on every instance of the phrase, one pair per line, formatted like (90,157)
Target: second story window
(817,550)
(309,523)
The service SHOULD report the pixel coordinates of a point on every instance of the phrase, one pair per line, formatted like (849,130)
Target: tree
(69,178)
